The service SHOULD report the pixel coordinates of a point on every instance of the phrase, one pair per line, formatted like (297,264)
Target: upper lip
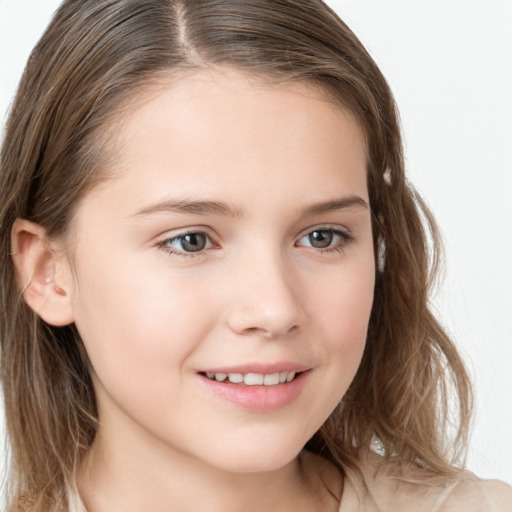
(262,368)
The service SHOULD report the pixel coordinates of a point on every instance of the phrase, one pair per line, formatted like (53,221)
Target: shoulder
(474,494)
(382,486)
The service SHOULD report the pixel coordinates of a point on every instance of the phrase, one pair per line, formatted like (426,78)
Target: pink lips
(258,398)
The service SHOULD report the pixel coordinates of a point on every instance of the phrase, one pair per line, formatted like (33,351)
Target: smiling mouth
(253,379)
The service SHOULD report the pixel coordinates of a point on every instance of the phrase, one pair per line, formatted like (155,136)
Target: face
(224,278)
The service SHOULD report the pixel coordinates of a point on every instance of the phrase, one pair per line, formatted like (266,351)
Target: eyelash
(165,245)
(344,238)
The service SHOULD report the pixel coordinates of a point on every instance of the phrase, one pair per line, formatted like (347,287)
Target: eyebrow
(222,209)
(191,207)
(337,204)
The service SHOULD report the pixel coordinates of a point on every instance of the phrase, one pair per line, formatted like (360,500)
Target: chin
(263,465)
(256,457)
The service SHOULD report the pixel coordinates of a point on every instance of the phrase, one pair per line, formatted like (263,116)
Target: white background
(449,63)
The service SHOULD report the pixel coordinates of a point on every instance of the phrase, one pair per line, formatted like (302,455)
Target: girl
(216,277)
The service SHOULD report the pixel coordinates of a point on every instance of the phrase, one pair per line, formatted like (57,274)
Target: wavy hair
(411,388)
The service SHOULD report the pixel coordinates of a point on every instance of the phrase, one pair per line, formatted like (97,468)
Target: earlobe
(43,273)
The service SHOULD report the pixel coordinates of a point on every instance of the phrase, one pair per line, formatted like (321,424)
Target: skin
(152,317)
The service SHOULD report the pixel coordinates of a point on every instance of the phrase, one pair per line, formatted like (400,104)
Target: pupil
(193,242)
(320,239)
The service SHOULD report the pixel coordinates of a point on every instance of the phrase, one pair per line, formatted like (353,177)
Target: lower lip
(258,398)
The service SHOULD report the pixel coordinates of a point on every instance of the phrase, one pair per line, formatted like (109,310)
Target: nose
(266,300)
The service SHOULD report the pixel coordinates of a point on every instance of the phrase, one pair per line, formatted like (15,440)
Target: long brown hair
(93,56)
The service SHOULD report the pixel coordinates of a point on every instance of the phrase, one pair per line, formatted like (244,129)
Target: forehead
(237,134)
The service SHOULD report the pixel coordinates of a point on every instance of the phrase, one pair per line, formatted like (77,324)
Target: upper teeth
(254,379)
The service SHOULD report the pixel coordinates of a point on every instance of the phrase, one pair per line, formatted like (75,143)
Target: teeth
(235,378)
(253,379)
(271,380)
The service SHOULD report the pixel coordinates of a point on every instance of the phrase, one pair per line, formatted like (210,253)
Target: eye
(187,243)
(326,239)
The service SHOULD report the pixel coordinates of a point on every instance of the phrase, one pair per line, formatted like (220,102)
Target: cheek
(136,322)
(139,332)
(344,311)
(347,297)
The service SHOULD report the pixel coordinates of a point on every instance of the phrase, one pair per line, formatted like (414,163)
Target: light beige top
(378,489)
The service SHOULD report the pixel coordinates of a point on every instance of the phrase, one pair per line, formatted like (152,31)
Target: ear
(43,273)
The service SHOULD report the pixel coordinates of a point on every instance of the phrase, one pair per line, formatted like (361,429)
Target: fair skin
(275,276)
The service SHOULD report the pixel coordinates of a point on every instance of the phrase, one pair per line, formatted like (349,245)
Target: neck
(122,475)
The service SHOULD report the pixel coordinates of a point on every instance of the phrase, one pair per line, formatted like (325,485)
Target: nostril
(269,332)
(269,309)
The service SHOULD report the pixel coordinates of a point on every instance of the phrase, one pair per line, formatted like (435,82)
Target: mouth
(258,387)
(253,379)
